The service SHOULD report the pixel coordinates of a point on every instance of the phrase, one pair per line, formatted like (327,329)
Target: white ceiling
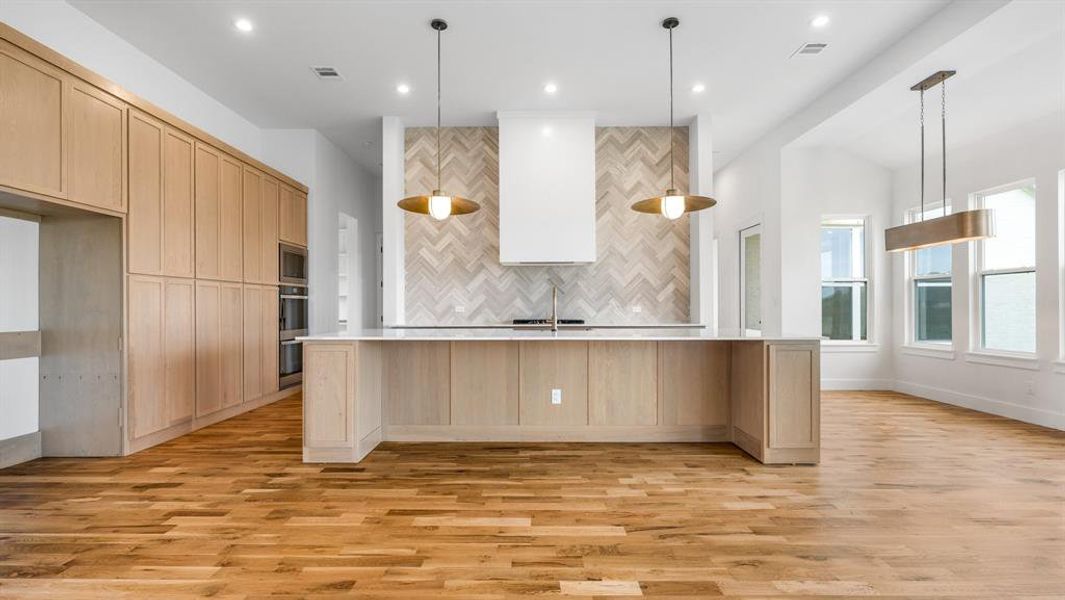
(607,57)
(1011,70)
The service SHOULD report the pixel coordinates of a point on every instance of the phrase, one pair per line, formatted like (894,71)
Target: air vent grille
(329,73)
(809,49)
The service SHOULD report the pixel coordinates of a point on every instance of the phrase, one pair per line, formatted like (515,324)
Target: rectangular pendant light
(957,227)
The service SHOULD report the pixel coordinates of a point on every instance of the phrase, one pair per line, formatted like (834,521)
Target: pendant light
(438,204)
(948,229)
(672,204)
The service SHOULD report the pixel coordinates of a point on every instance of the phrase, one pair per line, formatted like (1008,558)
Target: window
(751,279)
(930,287)
(844,284)
(1005,266)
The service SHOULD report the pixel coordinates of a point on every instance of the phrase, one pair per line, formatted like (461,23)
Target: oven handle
(292,297)
(290,342)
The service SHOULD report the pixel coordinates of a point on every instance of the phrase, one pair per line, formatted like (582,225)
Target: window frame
(1060,365)
(744,233)
(911,278)
(867,248)
(978,273)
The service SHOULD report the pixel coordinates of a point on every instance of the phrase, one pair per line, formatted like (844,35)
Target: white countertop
(570,332)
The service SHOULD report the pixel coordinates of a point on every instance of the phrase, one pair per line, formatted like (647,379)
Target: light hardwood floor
(912,500)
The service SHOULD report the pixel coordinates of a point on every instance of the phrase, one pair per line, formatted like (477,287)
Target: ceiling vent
(327,73)
(809,49)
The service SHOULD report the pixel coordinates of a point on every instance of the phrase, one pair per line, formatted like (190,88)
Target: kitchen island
(362,387)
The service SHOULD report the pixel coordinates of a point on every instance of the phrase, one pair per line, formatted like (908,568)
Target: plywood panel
(270,339)
(418,383)
(794,413)
(96,144)
(178,225)
(180,349)
(232,322)
(268,213)
(253,340)
(328,394)
(253,226)
(748,385)
(230,247)
(31,126)
(554,365)
(144,225)
(694,382)
(622,383)
(485,383)
(147,375)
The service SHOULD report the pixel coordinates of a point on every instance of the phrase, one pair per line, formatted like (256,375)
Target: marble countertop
(565,332)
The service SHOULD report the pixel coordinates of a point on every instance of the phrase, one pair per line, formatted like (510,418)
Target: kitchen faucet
(554,307)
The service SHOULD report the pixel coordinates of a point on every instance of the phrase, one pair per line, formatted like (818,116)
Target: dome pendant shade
(672,205)
(438,205)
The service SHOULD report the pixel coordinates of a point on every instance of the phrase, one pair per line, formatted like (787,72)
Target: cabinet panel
(180,349)
(145,221)
(301,219)
(253,342)
(219,346)
(146,352)
(694,383)
(623,383)
(270,339)
(329,391)
(794,402)
(485,383)
(287,215)
(231,212)
(178,225)
(418,383)
(96,144)
(208,212)
(253,226)
(554,365)
(31,127)
(268,213)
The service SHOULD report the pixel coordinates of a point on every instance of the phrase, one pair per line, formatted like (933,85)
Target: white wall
(1032,392)
(821,182)
(337,185)
(70,32)
(19,397)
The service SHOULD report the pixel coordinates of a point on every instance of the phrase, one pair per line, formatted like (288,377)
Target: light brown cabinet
(253,226)
(219,215)
(293,216)
(219,346)
(162,232)
(31,126)
(95,147)
(260,341)
(268,215)
(162,339)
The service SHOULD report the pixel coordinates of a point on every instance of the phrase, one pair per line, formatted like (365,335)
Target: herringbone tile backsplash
(454,264)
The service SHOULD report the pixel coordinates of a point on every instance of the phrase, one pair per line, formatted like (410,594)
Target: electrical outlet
(1031,388)
(556,396)
(460,309)
(637,308)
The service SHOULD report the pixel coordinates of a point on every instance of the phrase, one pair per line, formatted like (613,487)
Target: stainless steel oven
(292,265)
(292,321)
(290,361)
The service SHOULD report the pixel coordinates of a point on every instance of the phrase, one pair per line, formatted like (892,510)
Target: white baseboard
(20,449)
(1009,410)
(858,384)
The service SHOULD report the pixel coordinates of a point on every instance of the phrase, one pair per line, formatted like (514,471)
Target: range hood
(546,188)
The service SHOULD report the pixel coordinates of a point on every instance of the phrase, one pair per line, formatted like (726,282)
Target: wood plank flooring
(913,500)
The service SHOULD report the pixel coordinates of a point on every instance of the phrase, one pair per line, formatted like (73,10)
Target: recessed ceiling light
(550,87)
(403,89)
(243,25)
(820,21)
(698,88)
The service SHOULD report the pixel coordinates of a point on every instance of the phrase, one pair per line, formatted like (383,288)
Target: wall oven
(292,265)
(292,317)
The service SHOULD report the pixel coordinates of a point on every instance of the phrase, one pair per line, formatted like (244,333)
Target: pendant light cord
(438,187)
(922,154)
(672,185)
(943,130)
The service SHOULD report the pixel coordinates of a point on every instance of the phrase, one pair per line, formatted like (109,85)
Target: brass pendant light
(948,229)
(438,204)
(672,204)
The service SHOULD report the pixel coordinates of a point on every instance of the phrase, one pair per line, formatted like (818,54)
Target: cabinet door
(301,219)
(208,212)
(179,315)
(208,347)
(794,396)
(253,226)
(146,356)
(232,344)
(253,342)
(287,215)
(268,212)
(178,226)
(96,147)
(31,123)
(145,221)
(230,247)
(270,339)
